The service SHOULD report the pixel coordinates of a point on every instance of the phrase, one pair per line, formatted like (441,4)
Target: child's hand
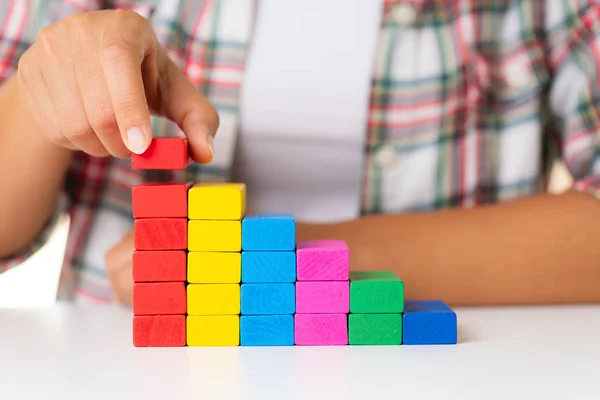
(92,80)
(119,269)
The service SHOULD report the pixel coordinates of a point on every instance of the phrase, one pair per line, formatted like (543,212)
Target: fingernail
(136,141)
(210,145)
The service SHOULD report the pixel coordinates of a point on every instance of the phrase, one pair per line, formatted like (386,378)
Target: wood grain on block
(214,267)
(213,330)
(159,266)
(267,330)
(268,298)
(375,329)
(268,267)
(159,330)
(213,299)
(160,200)
(220,201)
(269,232)
(159,298)
(329,297)
(429,322)
(163,153)
(380,292)
(212,235)
(160,234)
(321,329)
(322,260)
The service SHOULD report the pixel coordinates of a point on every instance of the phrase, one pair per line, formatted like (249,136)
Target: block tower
(159,259)
(207,274)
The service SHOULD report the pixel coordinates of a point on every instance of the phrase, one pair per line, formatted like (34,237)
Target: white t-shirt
(304,107)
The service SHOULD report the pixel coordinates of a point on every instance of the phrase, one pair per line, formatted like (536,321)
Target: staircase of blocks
(207,274)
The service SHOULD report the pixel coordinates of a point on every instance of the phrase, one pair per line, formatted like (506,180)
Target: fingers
(98,108)
(37,97)
(121,58)
(119,269)
(185,105)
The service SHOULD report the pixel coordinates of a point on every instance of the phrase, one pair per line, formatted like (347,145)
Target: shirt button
(405,14)
(518,76)
(386,157)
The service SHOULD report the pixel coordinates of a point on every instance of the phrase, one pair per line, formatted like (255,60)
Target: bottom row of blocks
(287,330)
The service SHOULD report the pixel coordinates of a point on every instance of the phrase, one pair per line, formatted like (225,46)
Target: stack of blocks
(206,274)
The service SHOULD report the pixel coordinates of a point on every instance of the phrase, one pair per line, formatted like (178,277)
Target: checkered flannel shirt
(470,103)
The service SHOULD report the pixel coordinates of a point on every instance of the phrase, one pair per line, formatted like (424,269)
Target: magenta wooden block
(322,260)
(328,297)
(320,329)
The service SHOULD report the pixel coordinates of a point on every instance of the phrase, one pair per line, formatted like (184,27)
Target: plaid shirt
(470,102)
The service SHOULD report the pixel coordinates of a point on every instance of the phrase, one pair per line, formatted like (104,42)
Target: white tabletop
(85,352)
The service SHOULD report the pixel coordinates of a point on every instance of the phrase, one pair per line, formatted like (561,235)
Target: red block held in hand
(160,298)
(159,266)
(163,153)
(160,200)
(160,234)
(159,330)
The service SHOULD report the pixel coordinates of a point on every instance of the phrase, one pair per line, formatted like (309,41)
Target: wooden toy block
(322,260)
(163,153)
(323,297)
(376,292)
(160,200)
(269,232)
(159,330)
(267,330)
(159,298)
(213,299)
(159,266)
(213,330)
(214,267)
(268,267)
(320,329)
(429,322)
(268,298)
(207,235)
(160,234)
(221,201)
(375,329)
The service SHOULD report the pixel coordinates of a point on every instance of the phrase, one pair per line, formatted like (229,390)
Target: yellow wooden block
(220,330)
(217,201)
(207,235)
(213,298)
(214,267)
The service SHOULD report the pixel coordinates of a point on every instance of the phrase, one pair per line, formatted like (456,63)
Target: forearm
(544,249)
(32,172)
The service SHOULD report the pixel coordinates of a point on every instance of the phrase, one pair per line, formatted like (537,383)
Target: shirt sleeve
(574,95)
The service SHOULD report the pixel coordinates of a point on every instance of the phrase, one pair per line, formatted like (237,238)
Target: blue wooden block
(428,322)
(267,330)
(268,298)
(268,266)
(269,232)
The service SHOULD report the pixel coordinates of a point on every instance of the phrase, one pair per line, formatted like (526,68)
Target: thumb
(193,113)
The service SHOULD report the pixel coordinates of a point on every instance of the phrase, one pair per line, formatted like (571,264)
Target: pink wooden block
(322,260)
(323,297)
(320,329)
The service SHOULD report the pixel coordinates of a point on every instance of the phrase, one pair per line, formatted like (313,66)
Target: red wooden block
(163,153)
(160,234)
(159,266)
(159,330)
(160,200)
(160,298)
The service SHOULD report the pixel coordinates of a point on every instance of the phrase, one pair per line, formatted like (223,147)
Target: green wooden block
(376,292)
(375,329)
